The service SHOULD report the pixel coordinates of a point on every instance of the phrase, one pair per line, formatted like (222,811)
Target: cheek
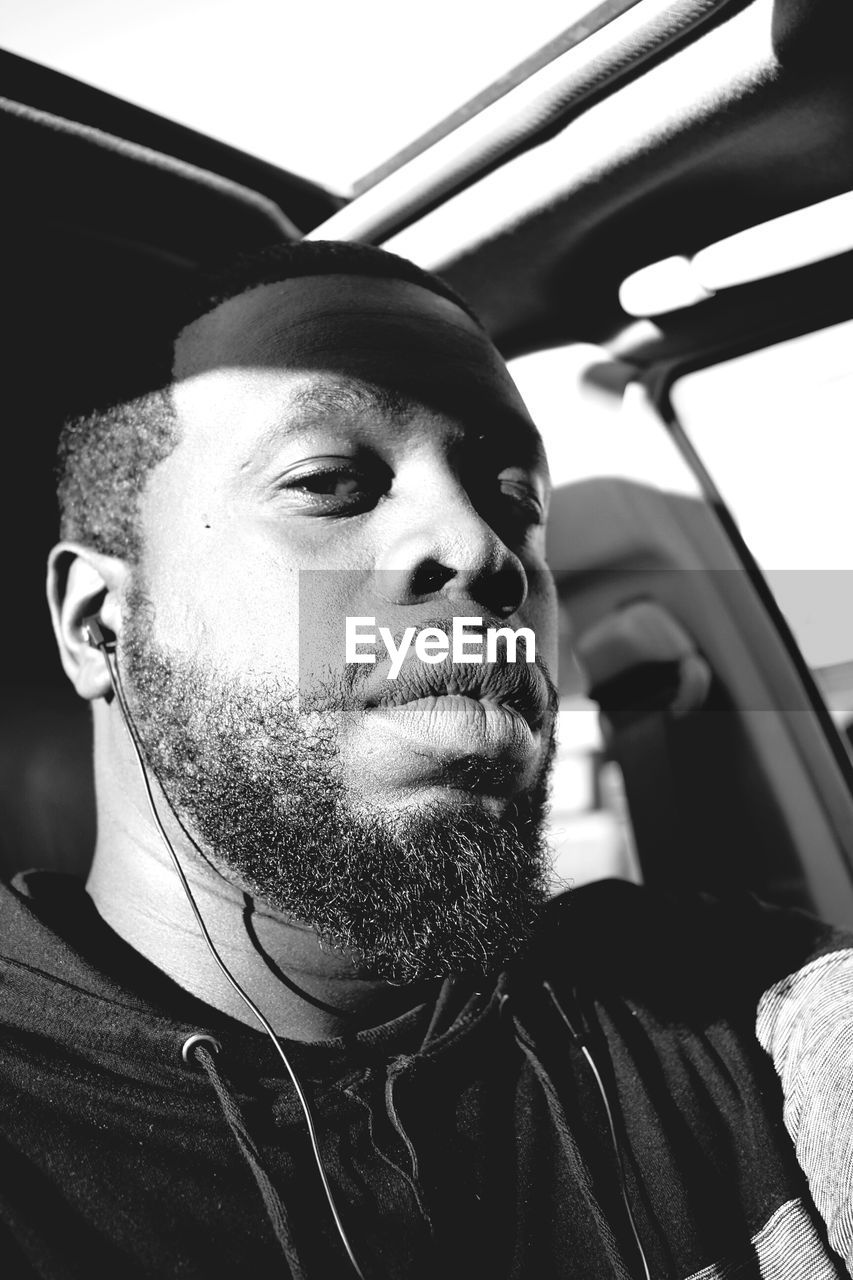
(247,610)
(326,598)
(232,604)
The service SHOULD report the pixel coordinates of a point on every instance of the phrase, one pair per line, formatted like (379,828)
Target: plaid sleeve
(805,1023)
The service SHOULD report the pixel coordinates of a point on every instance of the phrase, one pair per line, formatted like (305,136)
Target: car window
(773,427)
(596,423)
(328,91)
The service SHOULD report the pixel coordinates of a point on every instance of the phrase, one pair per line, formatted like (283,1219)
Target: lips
(519,686)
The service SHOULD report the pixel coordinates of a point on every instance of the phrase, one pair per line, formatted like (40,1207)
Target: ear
(80,583)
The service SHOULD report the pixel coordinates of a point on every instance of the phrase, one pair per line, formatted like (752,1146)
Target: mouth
(457,733)
(518,687)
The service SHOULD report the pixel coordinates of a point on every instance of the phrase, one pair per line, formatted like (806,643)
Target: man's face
(349,448)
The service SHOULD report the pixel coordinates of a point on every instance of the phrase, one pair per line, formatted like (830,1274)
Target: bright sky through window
(326,90)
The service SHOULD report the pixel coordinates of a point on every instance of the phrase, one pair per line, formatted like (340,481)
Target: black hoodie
(602,1107)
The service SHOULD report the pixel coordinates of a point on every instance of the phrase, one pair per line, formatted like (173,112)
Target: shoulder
(36,908)
(679,946)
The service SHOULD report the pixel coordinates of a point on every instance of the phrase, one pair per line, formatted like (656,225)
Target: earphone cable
(614,1137)
(115,676)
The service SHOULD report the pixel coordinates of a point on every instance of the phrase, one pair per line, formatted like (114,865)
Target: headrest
(639,660)
(47,798)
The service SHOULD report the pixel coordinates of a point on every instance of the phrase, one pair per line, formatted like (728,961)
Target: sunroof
(326,90)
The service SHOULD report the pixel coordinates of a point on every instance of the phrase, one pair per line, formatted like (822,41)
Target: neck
(304,990)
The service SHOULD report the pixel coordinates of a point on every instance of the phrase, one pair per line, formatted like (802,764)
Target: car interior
(654,218)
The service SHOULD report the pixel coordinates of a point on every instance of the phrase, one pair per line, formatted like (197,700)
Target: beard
(259,789)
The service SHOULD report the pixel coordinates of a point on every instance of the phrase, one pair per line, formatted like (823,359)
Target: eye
(522,493)
(330,484)
(335,486)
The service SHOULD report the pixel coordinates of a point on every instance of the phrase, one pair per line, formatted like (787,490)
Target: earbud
(94,633)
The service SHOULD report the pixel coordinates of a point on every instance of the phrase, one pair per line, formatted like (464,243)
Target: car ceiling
(743,113)
(748,117)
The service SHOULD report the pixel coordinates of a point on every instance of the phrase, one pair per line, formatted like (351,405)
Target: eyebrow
(330,399)
(339,398)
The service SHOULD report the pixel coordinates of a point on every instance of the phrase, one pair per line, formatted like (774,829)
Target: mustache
(525,686)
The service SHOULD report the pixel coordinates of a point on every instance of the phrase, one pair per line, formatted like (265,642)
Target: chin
(444,800)
(448,802)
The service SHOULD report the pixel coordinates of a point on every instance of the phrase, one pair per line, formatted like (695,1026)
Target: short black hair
(107,449)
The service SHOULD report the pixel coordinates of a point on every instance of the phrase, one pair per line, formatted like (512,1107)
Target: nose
(441,546)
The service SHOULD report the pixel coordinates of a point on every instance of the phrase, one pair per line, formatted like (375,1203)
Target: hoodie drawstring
(200,1050)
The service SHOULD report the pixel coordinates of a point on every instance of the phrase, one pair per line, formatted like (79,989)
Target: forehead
(399,338)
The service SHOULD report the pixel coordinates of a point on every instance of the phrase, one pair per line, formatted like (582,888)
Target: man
(312,1013)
